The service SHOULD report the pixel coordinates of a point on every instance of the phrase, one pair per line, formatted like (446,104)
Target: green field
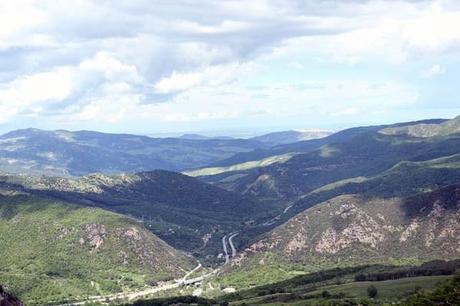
(388,291)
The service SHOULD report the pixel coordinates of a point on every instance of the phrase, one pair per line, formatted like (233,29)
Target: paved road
(275,219)
(230,241)
(183,280)
(224,245)
(287,208)
(138,294)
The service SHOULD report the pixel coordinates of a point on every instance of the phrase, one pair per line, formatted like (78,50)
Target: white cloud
(94,82)
(16,19)
(209,76)
(433,71)
(226,26)
(110,67)
(296,65)
(269,104)
(394,31)
(61,62)
(179,82)
(32,93)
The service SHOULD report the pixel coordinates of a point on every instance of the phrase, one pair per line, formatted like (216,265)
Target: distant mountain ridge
(202,137)
(426,129)
(306,146)
(79,153)
(350,153)
(76,153)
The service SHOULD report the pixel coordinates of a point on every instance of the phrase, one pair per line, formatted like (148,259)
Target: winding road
(232,246)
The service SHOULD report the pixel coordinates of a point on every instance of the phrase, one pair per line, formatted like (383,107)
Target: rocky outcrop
(94,234)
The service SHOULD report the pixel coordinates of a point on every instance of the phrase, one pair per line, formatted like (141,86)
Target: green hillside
(361,196)
(52,251)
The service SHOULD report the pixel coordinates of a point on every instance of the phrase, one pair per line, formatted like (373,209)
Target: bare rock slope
(353,230)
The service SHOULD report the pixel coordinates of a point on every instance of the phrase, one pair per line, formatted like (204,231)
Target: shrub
(372,291)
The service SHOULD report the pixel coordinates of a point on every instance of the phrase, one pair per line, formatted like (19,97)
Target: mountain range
(249,212)
(84,152)
(67,153)
(344,155)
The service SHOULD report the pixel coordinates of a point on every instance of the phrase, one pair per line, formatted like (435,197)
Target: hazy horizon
(234,133)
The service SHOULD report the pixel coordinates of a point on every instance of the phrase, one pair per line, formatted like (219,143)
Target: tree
(372,291)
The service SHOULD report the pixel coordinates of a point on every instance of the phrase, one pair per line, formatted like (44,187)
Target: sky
(214,67)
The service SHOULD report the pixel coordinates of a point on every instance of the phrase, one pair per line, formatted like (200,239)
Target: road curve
(183,280)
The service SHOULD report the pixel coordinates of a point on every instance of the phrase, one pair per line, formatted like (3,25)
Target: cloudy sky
(217,66)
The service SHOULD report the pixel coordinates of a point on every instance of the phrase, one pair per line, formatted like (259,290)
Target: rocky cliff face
(7,299)
(353,229)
